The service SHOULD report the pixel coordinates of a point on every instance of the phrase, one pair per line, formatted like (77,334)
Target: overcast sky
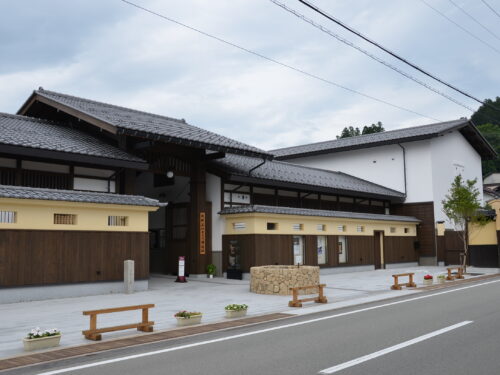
(109,51)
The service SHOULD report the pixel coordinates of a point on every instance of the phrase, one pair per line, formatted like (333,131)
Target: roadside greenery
(462,206)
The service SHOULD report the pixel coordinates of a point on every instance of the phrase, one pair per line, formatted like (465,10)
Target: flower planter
(182,322)
(235,313)
(428,281)
(41,343)
(441,281)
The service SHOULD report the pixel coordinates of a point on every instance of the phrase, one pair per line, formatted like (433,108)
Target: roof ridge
(42,90)
(368,135)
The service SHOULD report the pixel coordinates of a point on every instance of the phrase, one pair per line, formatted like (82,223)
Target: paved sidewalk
(206,295)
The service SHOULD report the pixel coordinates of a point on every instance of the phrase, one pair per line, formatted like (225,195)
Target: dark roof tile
(21,192)
(16,130)
(312,212)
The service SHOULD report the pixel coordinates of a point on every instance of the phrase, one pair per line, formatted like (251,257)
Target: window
(236,195)
(322,250)
(360,228)
(239,226)
(272,226)
(342,249)
(298,226)
(117,221)
(67,219)
(7,217)
(407,230)
(298,250)
(321,227)
(341,228)
(393,230)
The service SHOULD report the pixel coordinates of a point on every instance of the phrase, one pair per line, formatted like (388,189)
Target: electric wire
(460,27)
(369,54)
(298,70)
(473,18)
(421,70)
(491,8)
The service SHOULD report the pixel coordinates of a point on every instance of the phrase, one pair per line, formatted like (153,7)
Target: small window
(66,219)
(407,230)
(239,226)
(272,226)
(341,228)
(117,221)
(360,228)
(298,226)
(8,217)
(321,227)
(393,230)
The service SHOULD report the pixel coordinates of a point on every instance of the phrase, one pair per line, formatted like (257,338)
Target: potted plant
(428,280)
(188,318)
(211,269)
(235,310)
(41,339)
(441,279)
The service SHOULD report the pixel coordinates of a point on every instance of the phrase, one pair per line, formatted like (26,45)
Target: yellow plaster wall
(495,204)
(39,215)
(483,235)
(256,223)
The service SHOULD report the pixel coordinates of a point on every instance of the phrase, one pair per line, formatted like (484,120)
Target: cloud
(115,53)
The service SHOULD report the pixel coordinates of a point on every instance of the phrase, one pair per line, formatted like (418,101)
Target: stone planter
(441,281)
(182,322)
(428,281)
(235,313)
(41,343)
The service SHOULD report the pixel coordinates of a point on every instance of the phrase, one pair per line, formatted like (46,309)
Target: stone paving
(206,295)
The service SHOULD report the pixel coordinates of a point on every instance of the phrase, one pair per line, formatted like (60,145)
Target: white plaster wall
(419,172)
(452,155)
(382,165)
(214,196)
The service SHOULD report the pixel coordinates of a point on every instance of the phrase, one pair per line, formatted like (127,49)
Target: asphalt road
(450,331)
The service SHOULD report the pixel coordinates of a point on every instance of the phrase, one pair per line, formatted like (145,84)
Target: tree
(486,114)
(461,205)
(353,132)
(373,128)
(349,132)
(492,134)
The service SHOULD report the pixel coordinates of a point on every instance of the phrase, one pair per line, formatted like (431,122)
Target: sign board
(202,233)
(181,270)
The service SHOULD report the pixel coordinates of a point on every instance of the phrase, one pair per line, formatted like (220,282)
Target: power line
(311,75)
(474,19)
(340,23)
(461,27)
(492,9)
(383,62)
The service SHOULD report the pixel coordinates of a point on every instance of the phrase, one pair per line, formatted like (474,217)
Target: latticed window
(117,221)
(67,219)
(7,217)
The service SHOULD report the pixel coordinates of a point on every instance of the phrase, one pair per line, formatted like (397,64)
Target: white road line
(391,349)
(175,348)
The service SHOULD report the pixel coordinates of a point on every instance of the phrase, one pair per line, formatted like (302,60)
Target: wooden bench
(460,273)
(409,284)
(94,333)
(296,302)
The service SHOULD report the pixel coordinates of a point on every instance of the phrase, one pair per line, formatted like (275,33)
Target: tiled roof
(134,122)
(16,130)
(307,177)
(22,192)
(312,212)
(388,137)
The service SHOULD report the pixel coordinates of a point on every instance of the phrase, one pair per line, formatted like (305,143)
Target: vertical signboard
(203,234)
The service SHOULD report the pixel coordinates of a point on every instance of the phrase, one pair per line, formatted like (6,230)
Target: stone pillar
(128,276)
